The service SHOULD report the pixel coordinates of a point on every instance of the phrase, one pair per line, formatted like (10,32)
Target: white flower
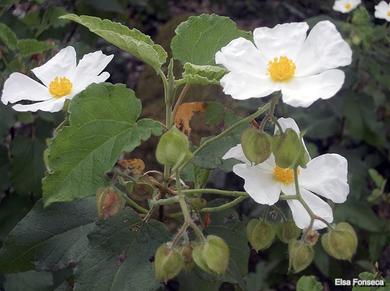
(325,175)
(283,58)
(382,10)
(346,6)
(62,79)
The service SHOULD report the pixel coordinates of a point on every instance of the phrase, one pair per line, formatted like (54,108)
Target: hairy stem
(225,206)
(215,191)
(180,99)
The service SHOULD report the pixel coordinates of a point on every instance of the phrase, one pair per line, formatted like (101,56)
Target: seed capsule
(260,234)
(300,255)
(168,263)
(256,145)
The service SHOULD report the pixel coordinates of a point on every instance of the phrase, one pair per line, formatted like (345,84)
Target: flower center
(60,87)
(388,13)
(347,6)
(284,175)
(281,69)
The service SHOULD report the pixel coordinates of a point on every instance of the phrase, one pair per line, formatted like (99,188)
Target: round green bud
(198,203)
(260,234)
(287,231)
(256,145)
(341,242)
(300,255)
(173,148)
(168,263)
(212,256)
(109,202)
(289,150)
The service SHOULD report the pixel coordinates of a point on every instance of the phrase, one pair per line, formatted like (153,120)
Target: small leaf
(199,38)
(102,124)
(376,177)
(7,36)
(48,238)
(185,113)
(130,40)
(202,75)
(119,255)
(309,283)
(28,47)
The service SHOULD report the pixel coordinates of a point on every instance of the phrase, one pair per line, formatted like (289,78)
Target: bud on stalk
(300,255)
(341,242)
(168,263)
(212,256)
(173,148)
(287,231)
(256,145)
(289,150)
(109,202)
(260,234)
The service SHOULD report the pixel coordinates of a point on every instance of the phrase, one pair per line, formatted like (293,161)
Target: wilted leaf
(130,40)
(135,166)
(102,124)
(200,37)
(184,115)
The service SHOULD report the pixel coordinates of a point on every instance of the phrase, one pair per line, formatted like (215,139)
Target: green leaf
(27,167)
(196,280)
(376,177)
(4,169)
(7,119)
(28,47)
(202,75)
(214,114)
(31,281)
(309,283)
(130,40)
(199,38)
(258,280)
(48,238)
(119,254)
(7,36)
(102,124)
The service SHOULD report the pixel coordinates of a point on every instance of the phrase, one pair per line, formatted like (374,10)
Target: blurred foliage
(354,124)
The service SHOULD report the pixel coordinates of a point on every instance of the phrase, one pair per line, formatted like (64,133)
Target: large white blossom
(61,77)
(325,175)
(382,10)
(285,58)
(346,6)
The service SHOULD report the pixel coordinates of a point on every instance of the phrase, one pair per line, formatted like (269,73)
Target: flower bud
(173,148)
(300,255)
(212,256)
(288,150)
(341,242)
(312,237)
(168,263)
(109,202)
(256,145)
(287,231)
(260,234)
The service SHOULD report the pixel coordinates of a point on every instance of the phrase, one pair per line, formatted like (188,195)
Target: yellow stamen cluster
(284,175)
(281,69)
(347,6)
(60,87)
(388,13)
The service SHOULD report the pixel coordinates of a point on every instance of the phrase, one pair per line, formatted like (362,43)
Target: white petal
(259,183)
(281,40)
(243,86)
(89,67)
(317,205)
(381,10)
(52,105)
(305,90)
(241,55)
(20,87)
(326,175)
(83,85)
(323,49)
(288,123)
(237,153)
(63,64)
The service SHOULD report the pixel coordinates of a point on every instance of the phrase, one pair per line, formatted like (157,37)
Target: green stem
(180,99)
(133,204)
(225,206)
(271,112)
(288,197)
(224,133)
(168,201)
(215,191)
